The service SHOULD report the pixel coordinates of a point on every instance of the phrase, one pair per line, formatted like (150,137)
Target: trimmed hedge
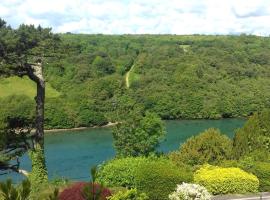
(219,180)
(120,172)
(159,178)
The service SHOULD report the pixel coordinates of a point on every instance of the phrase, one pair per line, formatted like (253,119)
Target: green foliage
(38,174)
(159,178)
(219,180)
(131,194)
(254,136)
(138,135)
(258,168)
(209,146)
(261,170)
(54,195)
(18,107)
(49,190)
(16,121)
(103,65)
(120,172)
(174,76)
(9,192)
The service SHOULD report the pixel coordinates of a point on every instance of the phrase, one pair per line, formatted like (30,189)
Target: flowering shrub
(220,180)
(76,192)
(187,191)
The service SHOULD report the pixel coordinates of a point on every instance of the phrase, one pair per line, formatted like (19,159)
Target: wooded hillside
(174,76)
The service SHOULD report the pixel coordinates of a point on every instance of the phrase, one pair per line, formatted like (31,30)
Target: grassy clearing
(23,86)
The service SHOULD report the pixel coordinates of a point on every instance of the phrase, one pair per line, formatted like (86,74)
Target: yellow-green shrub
(131,194)
(219,180)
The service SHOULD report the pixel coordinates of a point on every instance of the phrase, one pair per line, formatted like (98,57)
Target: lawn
(23,86)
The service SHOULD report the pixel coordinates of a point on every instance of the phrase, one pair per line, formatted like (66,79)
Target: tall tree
(23,52)
(138,135)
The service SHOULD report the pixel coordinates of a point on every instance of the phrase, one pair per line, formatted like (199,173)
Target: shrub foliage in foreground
(259,169)
(254,136)
(158,178)
(120,172)
(219,180)
(9,192)
(208,147)
(189,192)
(132,194)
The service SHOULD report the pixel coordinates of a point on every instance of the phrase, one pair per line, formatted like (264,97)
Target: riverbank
(79,128)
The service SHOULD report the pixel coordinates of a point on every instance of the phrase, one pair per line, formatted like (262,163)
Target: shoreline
(79,128)
(110,124)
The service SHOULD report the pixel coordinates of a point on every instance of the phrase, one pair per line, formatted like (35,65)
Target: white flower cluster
(187,191)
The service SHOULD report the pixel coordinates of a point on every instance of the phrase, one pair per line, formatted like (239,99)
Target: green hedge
(159,178)
(219,180)
(120,172)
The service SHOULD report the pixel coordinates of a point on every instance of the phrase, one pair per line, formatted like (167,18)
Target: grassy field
(23,86)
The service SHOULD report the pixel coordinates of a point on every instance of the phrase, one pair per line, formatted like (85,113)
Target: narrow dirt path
(127,76)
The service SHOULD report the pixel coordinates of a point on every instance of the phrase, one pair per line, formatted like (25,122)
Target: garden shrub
(131,194)
(76,192)
(189,192)
(208,147)
(9,192)
(120,172)
(253,136)
(220,180)
(262,171)
(158,178)
(259,169)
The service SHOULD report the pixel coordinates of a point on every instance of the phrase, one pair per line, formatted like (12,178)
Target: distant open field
(23,86)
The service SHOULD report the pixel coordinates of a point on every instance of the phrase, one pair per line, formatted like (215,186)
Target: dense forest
(177,77)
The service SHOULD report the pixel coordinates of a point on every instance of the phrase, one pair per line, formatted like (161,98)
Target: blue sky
(142,16)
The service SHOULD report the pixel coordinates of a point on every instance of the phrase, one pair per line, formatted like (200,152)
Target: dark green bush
(208,147)
(159,178)
(254,136)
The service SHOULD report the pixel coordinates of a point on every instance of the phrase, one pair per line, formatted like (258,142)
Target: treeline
(177,77)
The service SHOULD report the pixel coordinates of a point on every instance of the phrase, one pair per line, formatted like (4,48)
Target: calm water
(71,153)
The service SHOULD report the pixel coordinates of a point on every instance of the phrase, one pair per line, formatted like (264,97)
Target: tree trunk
(39,172)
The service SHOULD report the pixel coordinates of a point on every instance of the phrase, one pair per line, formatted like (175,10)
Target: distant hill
(178,77)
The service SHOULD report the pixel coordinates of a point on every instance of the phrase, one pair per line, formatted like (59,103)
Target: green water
(71,153)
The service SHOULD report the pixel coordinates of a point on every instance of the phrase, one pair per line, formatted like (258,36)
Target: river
(71,153)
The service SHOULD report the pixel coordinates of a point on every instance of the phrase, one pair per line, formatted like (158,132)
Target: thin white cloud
(141,16)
